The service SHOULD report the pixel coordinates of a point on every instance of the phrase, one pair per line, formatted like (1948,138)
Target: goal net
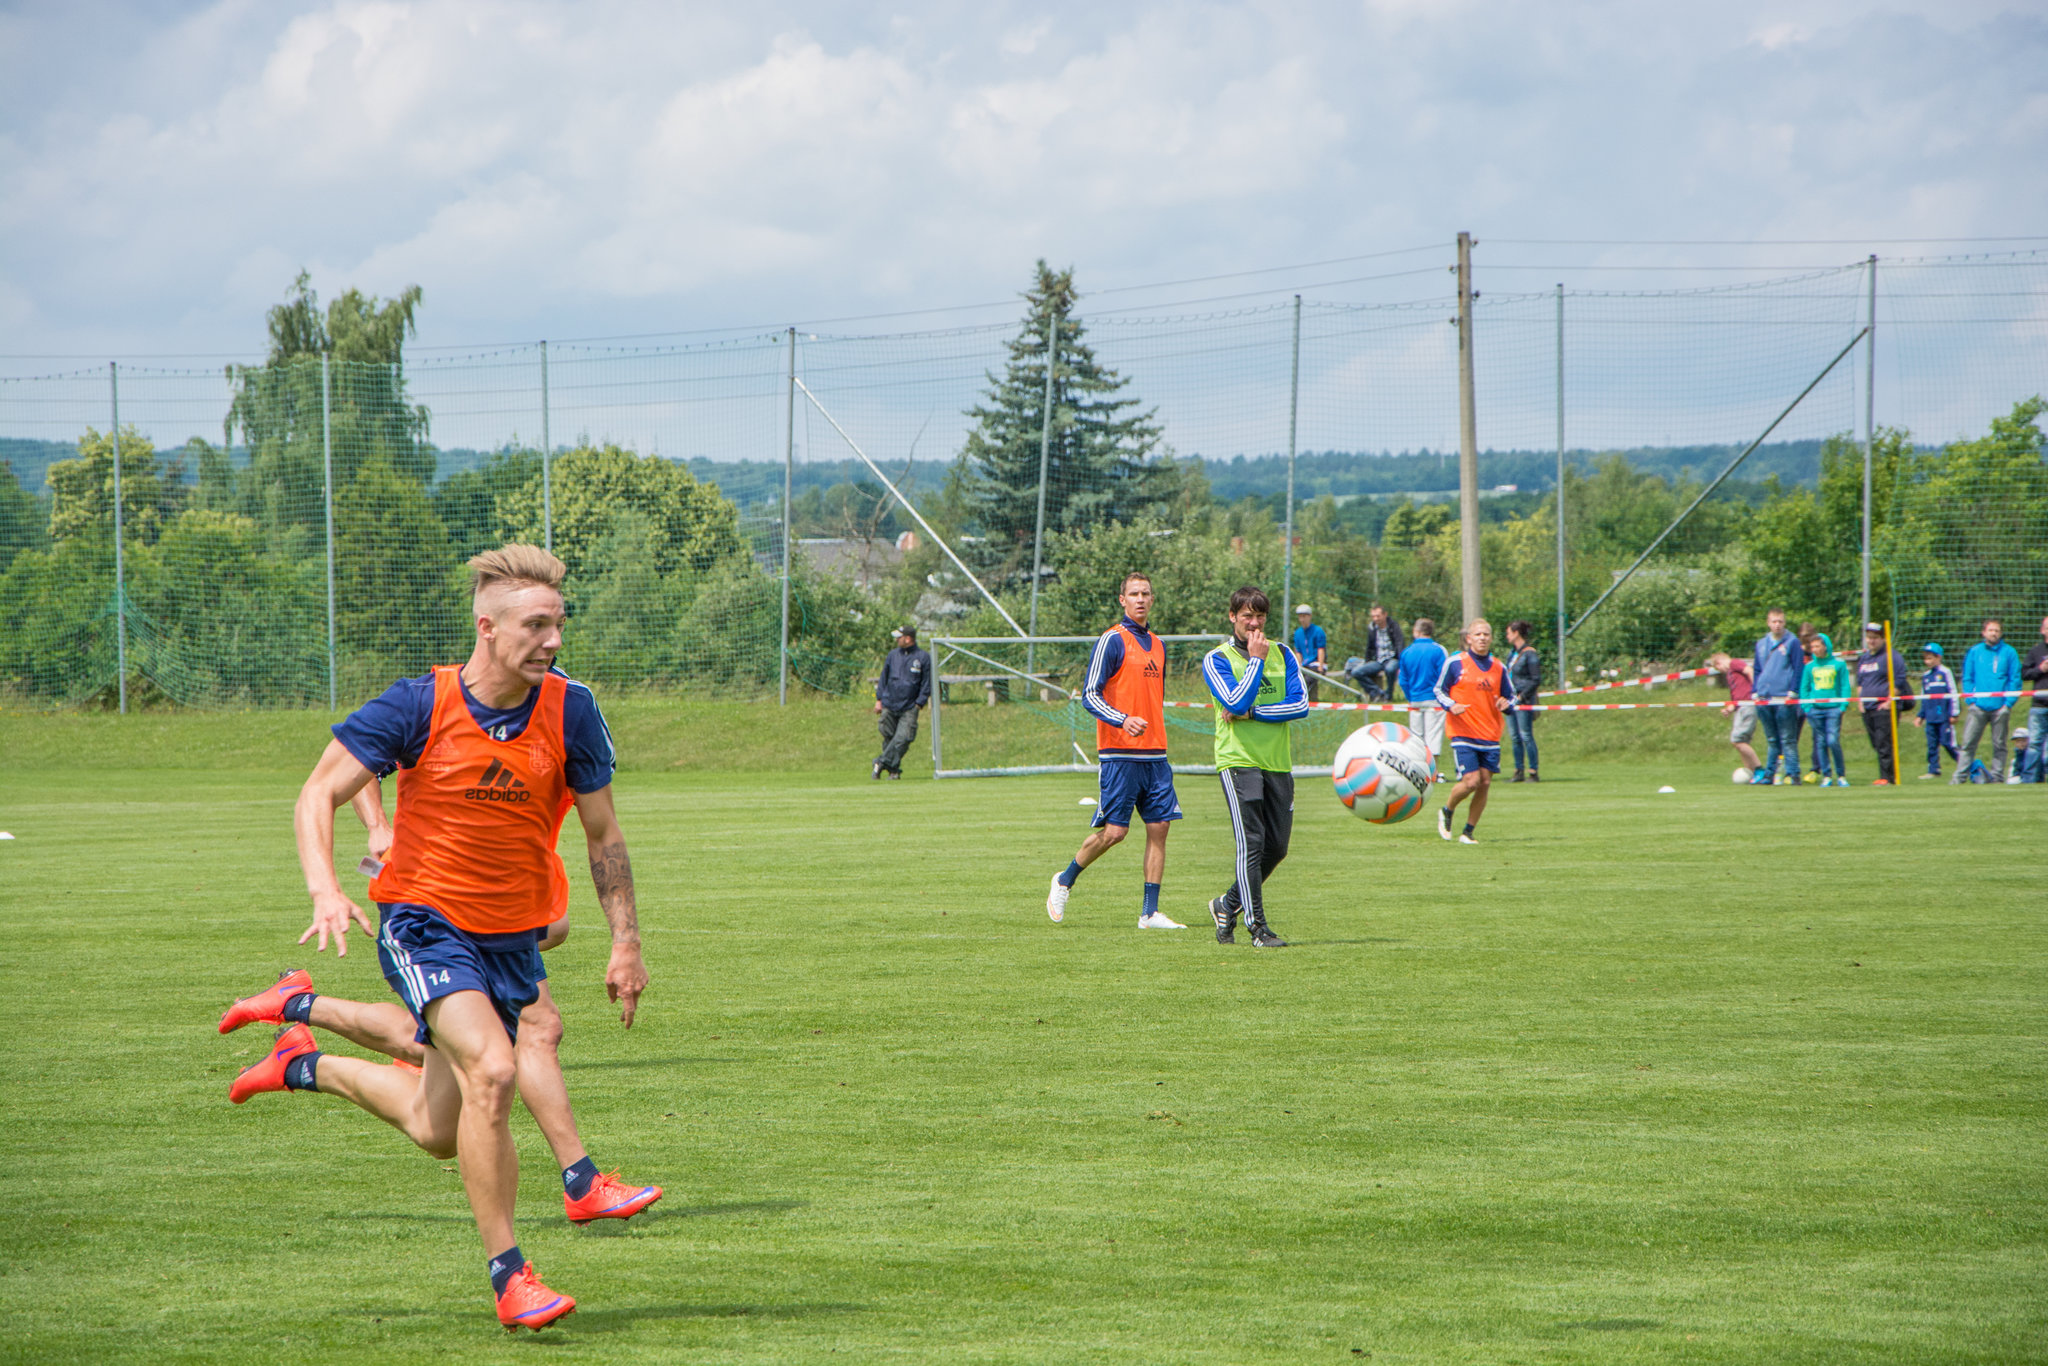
(1011,705)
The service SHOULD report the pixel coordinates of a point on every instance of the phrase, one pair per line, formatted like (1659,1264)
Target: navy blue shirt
(390,732)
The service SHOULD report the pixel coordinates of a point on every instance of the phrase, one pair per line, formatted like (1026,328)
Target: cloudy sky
(592,169)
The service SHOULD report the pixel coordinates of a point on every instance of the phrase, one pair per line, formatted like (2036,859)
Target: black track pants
(1262,817)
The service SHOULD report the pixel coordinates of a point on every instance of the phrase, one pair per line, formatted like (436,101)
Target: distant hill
(755,483)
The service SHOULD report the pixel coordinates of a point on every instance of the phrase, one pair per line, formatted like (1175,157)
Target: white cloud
(545,168)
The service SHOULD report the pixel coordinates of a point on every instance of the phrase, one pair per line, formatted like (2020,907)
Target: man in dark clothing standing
(2034,670)
(1875,677)
(904,687)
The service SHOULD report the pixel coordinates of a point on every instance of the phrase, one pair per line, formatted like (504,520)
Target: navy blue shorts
(425,958)
(1471,757)
(1146,784)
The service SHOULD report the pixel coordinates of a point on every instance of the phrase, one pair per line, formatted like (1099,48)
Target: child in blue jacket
(1938,712)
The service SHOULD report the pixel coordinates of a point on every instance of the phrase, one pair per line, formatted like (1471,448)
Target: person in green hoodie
(1823,696)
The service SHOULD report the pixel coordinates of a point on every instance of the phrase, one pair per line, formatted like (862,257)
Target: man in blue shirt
(1776,664)
(1311,646)
(1422,663)
(1990,668)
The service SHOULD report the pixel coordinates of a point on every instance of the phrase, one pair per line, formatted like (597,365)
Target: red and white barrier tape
(1630,706)
(1629,682)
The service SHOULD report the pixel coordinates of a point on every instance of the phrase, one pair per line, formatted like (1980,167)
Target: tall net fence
(292,534)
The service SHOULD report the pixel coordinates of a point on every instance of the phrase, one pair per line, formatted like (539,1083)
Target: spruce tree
(1098,468)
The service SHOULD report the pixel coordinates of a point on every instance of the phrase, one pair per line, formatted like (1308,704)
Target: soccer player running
(389,1028)
(1257,687)
(1126,690)
(491,754)
(1475,690)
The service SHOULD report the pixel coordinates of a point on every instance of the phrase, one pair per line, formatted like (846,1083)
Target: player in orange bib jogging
(470,886)
(1126,691)
(1474,690)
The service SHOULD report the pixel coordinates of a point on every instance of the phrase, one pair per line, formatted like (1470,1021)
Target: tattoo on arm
(612,871)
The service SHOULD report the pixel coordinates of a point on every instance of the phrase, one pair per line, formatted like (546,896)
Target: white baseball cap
(1304,608)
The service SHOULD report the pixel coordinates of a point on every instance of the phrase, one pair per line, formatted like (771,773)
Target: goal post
(1008,706)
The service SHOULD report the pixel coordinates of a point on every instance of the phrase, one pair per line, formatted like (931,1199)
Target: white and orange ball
(1382,772)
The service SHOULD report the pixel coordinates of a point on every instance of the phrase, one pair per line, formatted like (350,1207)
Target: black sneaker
(1443,822)
(895,774)
(876,774)
(1226,921)
(1264,938)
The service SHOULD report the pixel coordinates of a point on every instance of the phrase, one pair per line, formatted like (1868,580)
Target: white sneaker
(1056,900)
(1443,821)
(1158,921)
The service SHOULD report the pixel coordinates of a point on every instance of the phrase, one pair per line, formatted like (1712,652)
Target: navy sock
(1067,878)
(1151,898)
(299,1007)
(300,1074)
(1468,827)
(504,1267)
(576,1177)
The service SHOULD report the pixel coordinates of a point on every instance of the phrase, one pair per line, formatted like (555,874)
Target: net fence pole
(120,561)
(1562,681)
(1468,442)
(788,477)
(327,500)
(547,455)
(1293,411)
(1869,421)
(1052,337)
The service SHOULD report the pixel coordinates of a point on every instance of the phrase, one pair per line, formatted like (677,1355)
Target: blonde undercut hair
(515,564)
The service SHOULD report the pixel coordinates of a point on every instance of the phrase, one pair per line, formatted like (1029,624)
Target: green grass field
(1721,1075)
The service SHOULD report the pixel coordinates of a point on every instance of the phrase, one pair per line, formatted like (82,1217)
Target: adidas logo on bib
(497,785)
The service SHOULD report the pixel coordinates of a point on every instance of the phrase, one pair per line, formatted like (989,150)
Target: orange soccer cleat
(527,1303)
(402,1065)
(268,1075)
(609,1198)
(266,1007)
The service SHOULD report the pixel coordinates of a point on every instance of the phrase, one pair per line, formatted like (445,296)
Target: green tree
(594,488)
(469,501)
(82,490)
(1969,534)
(24,522)
(1805,546)
(1099,465)
(277,405)
(400,604)
(1410,524)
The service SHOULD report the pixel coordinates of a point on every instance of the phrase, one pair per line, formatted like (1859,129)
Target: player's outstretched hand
(625,979)
(331,913)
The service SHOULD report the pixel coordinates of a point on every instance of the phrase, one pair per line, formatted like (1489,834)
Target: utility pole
(120,563)
(1293,410)
(788,475)
(327,498)
(1468,441)
(1870,425)
(1562,680)
(1052,338)
(547,453)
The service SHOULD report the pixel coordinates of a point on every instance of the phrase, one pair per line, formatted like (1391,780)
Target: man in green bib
(1257,686)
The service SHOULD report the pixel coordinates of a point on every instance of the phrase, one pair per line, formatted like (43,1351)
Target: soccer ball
(1741,775)
(1382,772)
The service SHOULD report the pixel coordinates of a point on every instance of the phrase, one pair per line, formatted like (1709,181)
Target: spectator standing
(904,687)
(1422,663)
(1990,668)
(1823,695)
(1311,646)
(1937,709)
(1774,672)
(1739,707)
(2035,671)
(1375,672)
(1525,673)
(1877,671)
